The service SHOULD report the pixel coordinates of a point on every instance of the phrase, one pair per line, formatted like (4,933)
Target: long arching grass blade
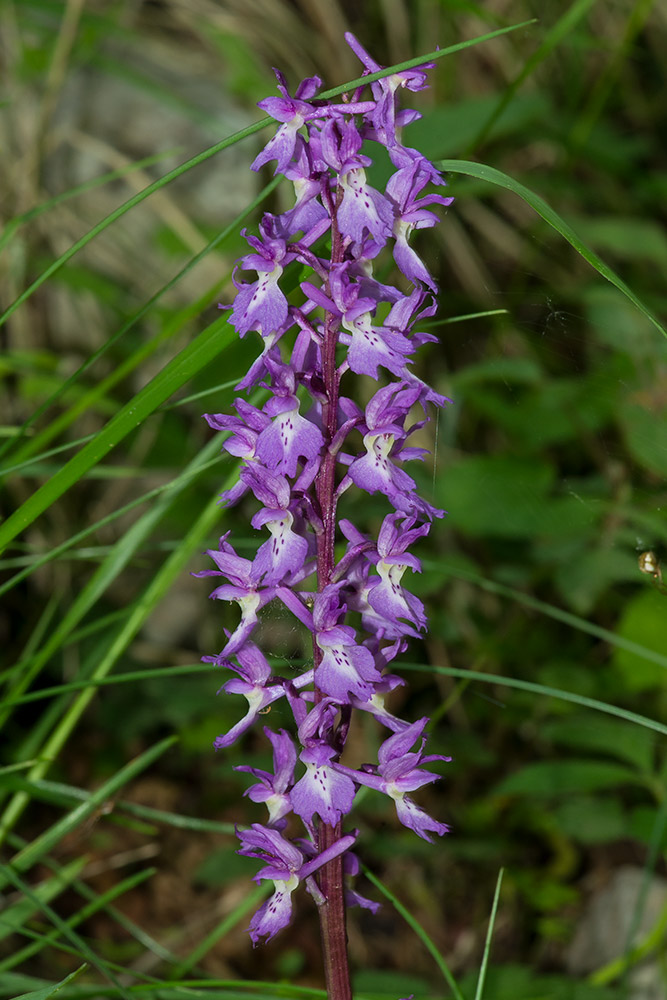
(575,621)
(418,929)
(543,689)
(497,177)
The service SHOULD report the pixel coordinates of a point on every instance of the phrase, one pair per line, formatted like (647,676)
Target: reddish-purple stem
(332,910)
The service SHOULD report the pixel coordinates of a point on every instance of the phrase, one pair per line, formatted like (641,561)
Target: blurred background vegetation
(551,463)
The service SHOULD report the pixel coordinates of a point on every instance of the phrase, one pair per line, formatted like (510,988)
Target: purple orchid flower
(301,461)
(398,772)
(273,789)
(285,867)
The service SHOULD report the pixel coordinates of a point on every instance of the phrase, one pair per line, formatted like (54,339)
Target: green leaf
(489,934)
(644,621)
(495,495)
(617,324)
(627,237)
(446,130)
(583,580)
(497,177)
(519,370)
(643,420)
(547,779)
(591,820)
(507,497)
(605,735)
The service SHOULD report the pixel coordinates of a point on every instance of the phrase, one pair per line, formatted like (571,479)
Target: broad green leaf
(495,495)
(626,237)
(643,421)
(617,324)
(551,778)
(643,621)
(583,580)
(552,411)
(508,497)
(642,826)
(450,128)
(497,177)
(605,735)
(591,820)
(519,370)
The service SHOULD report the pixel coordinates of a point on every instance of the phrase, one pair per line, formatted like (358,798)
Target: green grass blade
(155,591)
(231,140)
(47,840)
(14,916)
(419,931)
(420,60)
(128,677)
(543,689)
(89,894)
(54,553)
(94,906)
(38,442)
(89,185)
(489,935)
(554,36)
(574,621)
(203,349)
(497,177)
(59,794)
(48,991)
(115,562)
(85,951)
(131,203)
(231,920)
